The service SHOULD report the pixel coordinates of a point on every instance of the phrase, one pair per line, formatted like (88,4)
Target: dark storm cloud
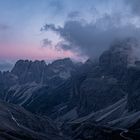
(63,45)
(135,6)
(50,27)
(46,42)
(92,38)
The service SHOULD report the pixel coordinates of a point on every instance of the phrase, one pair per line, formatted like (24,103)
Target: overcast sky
(51,29)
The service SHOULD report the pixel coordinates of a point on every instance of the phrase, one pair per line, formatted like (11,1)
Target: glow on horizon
(24,20)
(21,21)
(34,52)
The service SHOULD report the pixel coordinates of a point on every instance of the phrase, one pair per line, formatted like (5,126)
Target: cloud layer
(86,27)
(134,5)
(92,38)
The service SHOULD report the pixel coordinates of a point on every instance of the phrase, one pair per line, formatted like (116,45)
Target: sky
(52,29)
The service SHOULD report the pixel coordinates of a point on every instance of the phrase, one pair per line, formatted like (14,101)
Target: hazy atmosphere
(69,69)
(51,29)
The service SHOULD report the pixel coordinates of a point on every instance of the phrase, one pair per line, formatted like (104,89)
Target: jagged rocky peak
(116,59)
(89,62)
(38,71)
(61,68)
(61,62)
(22,65)
(29,71)
(87,66)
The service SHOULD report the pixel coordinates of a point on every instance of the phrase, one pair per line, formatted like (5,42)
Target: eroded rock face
(115,60)
(28,71)
(134,88)
(6,81)
(90,92)
(59,71)
(37,71)
(61,65)
(90,131)
(98,93)
(17,123)
(30,83)
(9,79)
(91,86)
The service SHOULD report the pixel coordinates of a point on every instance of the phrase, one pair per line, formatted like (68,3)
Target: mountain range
(76,101)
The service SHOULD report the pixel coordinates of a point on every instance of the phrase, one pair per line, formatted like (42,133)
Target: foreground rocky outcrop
(18,124)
